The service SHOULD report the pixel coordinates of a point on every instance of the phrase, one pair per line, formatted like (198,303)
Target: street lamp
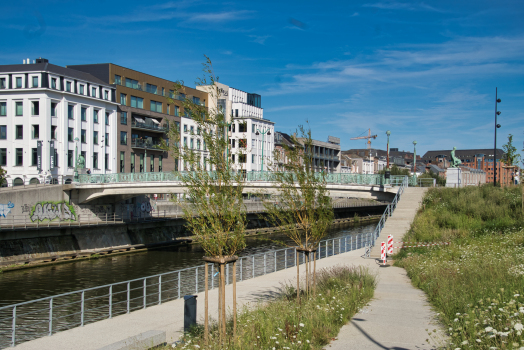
(388,133)
(268,132)
(497,113)
(75,174)
(415,158)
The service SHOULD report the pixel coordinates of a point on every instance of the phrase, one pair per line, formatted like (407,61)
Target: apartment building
(251,137)
(326,155)
(48,115)
(144,116)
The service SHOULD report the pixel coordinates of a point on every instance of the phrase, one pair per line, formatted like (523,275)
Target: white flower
(465,342)
(307,341)
(488,329)
(479,341)
(518,327)
(197,346)
(301,324)
(277,342)
(299,342)
(456,320)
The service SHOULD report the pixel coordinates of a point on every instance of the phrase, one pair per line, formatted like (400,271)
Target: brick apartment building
(144,115)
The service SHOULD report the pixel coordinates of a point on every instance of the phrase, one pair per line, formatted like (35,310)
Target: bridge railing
(331,178)
(45,316)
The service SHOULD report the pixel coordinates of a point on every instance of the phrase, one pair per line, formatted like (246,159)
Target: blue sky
(427,71)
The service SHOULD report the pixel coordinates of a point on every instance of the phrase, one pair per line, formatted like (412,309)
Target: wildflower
(488,329)
(197,346)
(456,320)
(478,341)
(307,341)
(518,327)
(301,324)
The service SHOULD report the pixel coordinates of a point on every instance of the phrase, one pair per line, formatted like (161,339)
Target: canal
(29,284)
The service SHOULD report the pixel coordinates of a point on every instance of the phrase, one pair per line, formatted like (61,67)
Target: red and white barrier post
(383,252)
(390,245)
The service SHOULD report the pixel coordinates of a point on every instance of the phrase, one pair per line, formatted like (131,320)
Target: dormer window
(18,82)
(35,82)
(81,89)
(53,83)
(68,86)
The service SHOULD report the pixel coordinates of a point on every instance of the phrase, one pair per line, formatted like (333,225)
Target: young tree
(213,205)
(2,176)
(510,157)
(302,210)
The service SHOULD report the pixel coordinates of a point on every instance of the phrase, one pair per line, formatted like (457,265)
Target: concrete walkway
(395,319)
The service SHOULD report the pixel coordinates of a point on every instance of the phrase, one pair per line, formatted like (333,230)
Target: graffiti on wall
(6,208)
(26,208)
(52,210)
(145,207)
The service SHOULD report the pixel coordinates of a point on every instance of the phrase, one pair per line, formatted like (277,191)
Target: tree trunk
(234,300)
(206,310)
(298,275)
(222,272)
(315,273)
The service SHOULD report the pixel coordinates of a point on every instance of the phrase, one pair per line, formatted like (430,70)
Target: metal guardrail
(45,316)
(23,222)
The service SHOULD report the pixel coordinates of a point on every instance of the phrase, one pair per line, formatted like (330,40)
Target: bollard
(190,312)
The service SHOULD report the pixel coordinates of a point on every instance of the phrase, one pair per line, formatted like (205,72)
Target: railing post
(159,289)
(82,309)
(178,284)
(110,301)
(265,263)
(145,301)
(13,328)
(128,295)
(253,266)
(51,317)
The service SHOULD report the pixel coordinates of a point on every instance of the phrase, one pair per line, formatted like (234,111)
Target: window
(156,106)
(53,132)
(93,92)
(151,88)
(122,162)
(95,160)
(253,143)
(142,163)
(53,83)
(3,109)
(83,154)
(242,158)
(19,160)
(196,100)
(152,163)
(70,159)
(95,115)
(81,90)
(3,156)
(107,139)
(192,129)
(95,137)
(118,79)
(160,158)
(19,107)
(2,83)
(177,111)
(253,159)
(123,138)
(107,118)
(35,81)
(53,109)
(83,136)
(198,131)
(19,132)
(35,108)
(34,156)
(106,95)
(18,83)
(137,102)
(163,92)
(242,143)
(107,161)
(171,93)
(185,127)
(253,128)
(123,98)
(132,84)
(68,86)
(242,127)
(198,144)
(36,131)
(123,118)
(3,132)
(71,111)
(83,114)
(185,141)
(132,162)
(70,134)
(191,142)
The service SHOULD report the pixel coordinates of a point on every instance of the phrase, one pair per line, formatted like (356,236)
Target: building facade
(48,115)
(145,113)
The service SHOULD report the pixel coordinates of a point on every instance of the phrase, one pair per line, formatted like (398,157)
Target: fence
(45,316)
(18,222)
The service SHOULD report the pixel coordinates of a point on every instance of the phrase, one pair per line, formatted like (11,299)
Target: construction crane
(369,137)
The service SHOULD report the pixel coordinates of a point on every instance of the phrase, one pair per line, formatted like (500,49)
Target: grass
(282,323)
(477,282)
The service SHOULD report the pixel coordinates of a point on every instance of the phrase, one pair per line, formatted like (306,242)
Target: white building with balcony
(46,113)
(251,137)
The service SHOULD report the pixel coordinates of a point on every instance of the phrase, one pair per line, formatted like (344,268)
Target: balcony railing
(136,143)
(154,127)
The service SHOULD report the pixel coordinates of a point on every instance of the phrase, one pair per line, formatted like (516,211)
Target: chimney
(24,61)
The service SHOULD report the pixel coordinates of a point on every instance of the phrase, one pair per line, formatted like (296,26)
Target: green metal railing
(333,178)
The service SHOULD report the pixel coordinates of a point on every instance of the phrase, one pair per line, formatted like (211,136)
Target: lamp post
(388,133)
(268,132)
(497,113)
(75,174)
(415,159)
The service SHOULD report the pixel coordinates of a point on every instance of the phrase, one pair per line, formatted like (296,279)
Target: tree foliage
(302,209)
(395,170)
(510,157)
(3,173)
(213,206)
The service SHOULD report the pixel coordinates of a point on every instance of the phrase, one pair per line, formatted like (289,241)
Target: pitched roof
(463,154)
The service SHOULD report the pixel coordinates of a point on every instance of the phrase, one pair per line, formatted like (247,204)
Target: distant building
(47,112)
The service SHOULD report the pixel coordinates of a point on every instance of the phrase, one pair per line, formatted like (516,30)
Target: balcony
(149,126)
(146,144)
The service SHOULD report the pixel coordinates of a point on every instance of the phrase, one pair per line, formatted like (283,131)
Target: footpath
(396,318)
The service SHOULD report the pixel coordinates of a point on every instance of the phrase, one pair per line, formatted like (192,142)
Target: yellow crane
(369,137)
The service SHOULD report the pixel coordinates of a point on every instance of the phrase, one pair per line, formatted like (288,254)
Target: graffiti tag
(52,210)
(26,208)
(145,207)
(6,208)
